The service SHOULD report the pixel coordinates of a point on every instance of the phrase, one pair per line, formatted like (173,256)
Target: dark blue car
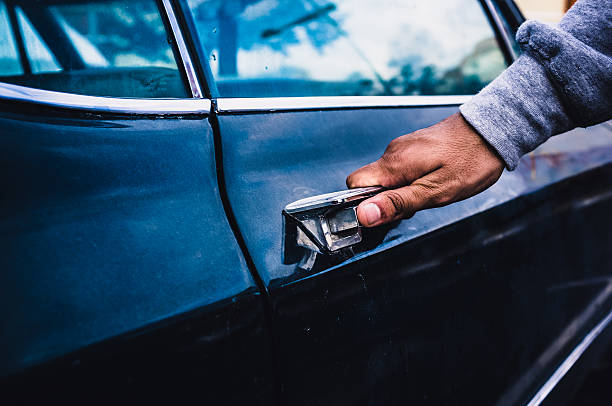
(151,251)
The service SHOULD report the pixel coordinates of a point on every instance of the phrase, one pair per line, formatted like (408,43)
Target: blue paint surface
(106,227)
(278,158)
(434,300)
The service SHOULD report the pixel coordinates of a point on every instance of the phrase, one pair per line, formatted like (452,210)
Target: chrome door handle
(324,224)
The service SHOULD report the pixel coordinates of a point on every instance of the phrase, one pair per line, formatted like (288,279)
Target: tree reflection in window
(347,47)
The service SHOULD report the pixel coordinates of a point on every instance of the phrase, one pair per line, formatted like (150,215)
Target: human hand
(432,167)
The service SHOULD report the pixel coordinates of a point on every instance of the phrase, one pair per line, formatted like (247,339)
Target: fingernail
(372,213)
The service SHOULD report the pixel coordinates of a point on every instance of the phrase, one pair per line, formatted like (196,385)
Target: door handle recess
(324,224)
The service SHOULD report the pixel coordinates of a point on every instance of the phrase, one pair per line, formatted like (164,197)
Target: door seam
(229,213)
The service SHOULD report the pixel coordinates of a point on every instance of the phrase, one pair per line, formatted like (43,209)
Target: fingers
(432,190)
(372,174)
(406,159)
(438,165)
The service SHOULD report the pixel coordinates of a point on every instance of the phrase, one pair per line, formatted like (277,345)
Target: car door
(121,278)
(475,303)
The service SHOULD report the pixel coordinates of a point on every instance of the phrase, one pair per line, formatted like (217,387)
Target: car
(157,247)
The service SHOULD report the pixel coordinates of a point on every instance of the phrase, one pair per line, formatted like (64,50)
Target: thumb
(399,203)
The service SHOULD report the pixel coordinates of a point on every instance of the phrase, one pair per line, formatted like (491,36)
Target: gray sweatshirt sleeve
(562,80)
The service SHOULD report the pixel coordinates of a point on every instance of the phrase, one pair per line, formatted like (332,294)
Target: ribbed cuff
(517,111)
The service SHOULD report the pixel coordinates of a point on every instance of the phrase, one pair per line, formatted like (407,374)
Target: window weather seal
(189,68)
(98,104)
(497,19)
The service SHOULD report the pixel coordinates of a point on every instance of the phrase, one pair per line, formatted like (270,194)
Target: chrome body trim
(267,104)
(569,362)
(497,19)
(190,72)
(103,104)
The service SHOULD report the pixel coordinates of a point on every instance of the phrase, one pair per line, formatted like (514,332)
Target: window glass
(102,48)
(9,60)
(347,47)
(40,57)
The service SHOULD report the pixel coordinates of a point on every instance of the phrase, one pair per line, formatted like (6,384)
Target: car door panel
(287,156)
(122,279)
(277,158)
(457,306)
(119,265)
(444,298)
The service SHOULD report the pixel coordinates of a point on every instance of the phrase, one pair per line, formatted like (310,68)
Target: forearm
(562,80)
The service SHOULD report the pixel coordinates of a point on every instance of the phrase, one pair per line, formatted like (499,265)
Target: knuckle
(441,199)
(393,162)
(391,148)
(393,143)
(389,168)
(399,143)
(422,136)
(458,181)
(388,161)
(431,192)
(398,203)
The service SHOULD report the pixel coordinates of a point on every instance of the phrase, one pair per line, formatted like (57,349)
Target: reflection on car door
(121,278)
(472,303)
(461,295)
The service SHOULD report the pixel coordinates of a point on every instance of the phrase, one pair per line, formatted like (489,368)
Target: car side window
(101,48)
(9,59)
(39,55)
(347,47)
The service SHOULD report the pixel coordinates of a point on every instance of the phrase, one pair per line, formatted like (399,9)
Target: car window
(347,47)
(40,57)
(9,60)
(102,48)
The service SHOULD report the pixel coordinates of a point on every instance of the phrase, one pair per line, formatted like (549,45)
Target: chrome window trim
(269,104)
(103,104)
(190,72)
(569,362)
(497,19)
